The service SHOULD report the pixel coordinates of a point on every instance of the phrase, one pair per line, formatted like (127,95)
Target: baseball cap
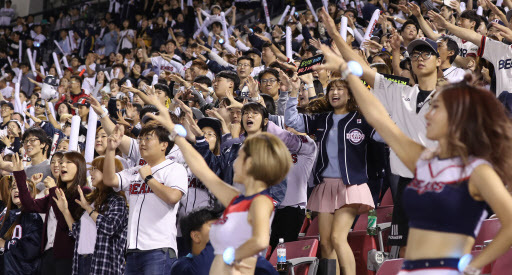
(51,80)
(211,122)
(497,21)
(254,51)
(8,104)
(82,102)
(422,42)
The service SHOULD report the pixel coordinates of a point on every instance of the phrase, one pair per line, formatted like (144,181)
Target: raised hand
(82,201)
(36,178)
(415,10)
(395,41)
(49,182)
(17,162)
(253,87)
(334,62)
(438,19)
(61,201)
(307,78)
(115,139)
(95,105)
(329,24)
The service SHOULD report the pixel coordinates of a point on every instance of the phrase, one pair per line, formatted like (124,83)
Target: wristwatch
(148,178)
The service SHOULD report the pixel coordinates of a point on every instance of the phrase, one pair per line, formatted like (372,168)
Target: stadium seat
(503,265)
(268,253)
(487,232)
(299,253)
(390,267)
(361,243)
(312,232)
(387,200)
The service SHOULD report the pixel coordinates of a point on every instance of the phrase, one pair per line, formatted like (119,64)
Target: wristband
(90,213)
(255,99)
(104,115)
(178,130)
(229,255)
(464,262)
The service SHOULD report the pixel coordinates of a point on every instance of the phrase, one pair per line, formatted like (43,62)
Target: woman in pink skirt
(341,192)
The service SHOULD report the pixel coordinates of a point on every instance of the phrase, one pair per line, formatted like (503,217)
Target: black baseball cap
(213,123)
(254,51)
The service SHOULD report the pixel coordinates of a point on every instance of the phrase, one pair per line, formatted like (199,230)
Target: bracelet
(103,115)
(469,270)
(90,213)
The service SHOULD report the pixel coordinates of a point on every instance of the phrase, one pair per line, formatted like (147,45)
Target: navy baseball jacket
(353,138)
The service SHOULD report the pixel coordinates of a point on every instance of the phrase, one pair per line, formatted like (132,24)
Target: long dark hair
(80,179)
(102,192)
(478,126)
(10,206)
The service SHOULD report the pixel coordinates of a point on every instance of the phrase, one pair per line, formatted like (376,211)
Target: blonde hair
(271,159)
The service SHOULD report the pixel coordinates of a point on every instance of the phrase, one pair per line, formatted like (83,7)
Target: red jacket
(74,99)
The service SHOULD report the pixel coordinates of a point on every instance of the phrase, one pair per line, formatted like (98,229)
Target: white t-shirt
(500,55)
(400,102)
(151,221)
(87,240)
(125,43)
(454,74)
(52,229)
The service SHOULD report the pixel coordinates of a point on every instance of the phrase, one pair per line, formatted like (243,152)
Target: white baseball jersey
(500,55)
(454,74)
(160,64)
(136,159)
(465,47)
(151,221)
(401,102)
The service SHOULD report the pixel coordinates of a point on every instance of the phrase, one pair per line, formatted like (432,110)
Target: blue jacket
(352,141)
(22,252)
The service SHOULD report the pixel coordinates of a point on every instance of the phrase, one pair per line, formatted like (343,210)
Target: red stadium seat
(305,226)
(503,265)
(387,200)
(298,250)
(268,253)
(361,243)
(390,267)
(487,232)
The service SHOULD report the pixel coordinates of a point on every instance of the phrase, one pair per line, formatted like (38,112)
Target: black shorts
(399,222)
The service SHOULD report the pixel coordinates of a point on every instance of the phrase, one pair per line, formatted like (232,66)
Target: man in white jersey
(154,192)
(161,64)
(468,20)
(496,52)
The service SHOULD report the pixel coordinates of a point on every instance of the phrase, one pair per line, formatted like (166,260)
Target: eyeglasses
(271,81)
(243,65)
(210,134)
(31,140)
(145,139)
(39,105)
(424,55)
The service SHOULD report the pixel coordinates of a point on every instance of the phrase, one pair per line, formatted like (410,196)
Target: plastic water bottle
(372,223)
(281,256)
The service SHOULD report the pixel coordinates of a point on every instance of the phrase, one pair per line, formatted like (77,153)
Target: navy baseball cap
(422,42)
(254,51)
(82,102)
(497,21)
(9,104)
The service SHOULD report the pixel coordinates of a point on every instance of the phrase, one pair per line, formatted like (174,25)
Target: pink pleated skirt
(332,195)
